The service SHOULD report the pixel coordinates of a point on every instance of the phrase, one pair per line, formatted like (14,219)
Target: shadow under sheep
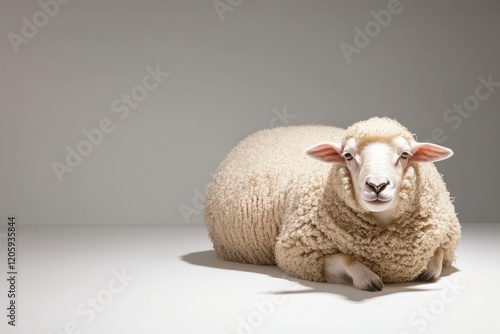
(209,259)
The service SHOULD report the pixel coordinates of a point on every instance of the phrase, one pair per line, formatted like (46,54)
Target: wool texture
(270,203)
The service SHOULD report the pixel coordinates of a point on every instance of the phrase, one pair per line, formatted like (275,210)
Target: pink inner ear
(427,152)
(326,153)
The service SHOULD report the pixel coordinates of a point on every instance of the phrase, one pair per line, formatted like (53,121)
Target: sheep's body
(269,203)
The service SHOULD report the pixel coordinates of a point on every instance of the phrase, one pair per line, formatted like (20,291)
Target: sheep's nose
(377,184)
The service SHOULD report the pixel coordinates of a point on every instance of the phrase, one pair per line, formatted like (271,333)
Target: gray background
(228,78)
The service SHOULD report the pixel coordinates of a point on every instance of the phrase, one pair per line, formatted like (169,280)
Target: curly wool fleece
(269,203)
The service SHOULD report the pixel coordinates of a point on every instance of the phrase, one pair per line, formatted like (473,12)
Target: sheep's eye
(404,155)
(348,156)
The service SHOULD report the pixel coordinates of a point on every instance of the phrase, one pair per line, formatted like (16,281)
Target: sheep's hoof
(369,283)
(373,287)
(427,276)
(433,270)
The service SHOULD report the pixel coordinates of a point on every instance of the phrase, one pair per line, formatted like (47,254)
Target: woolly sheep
(370,208)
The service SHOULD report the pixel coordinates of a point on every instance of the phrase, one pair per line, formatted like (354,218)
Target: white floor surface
(167,279)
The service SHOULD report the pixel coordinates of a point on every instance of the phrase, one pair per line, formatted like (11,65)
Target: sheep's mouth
(379,200)
(377,204)
(373,198)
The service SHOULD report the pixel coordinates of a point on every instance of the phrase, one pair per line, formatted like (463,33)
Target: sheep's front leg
(340,268)
(434,267)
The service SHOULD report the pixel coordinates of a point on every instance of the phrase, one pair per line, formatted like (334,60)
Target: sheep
(370,208)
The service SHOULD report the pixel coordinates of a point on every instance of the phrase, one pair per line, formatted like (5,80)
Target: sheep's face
(377,165)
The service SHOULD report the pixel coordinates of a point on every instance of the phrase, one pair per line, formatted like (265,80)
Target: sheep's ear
(428,152)
(327,152)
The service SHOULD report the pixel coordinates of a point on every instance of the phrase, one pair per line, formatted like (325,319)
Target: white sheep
(376,211)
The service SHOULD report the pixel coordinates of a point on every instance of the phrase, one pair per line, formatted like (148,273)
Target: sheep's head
(376,163)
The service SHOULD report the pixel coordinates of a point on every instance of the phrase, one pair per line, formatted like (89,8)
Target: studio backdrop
(119,112)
